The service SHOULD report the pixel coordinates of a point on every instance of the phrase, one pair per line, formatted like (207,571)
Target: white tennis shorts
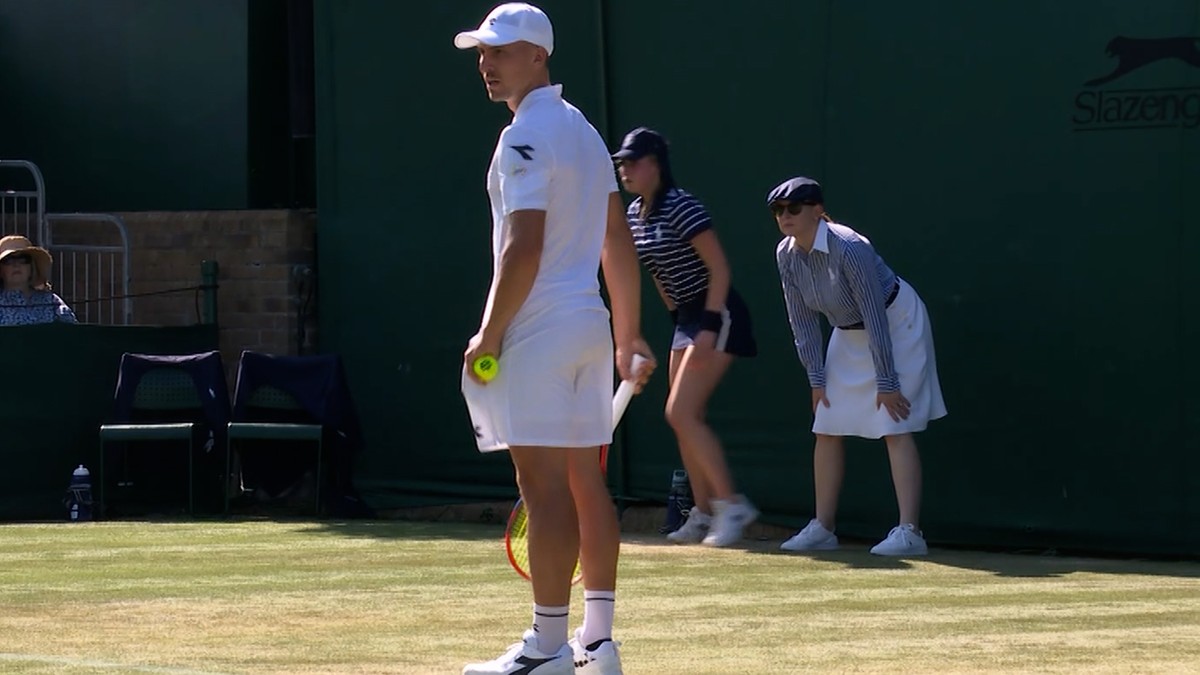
(554,387)
(850,375)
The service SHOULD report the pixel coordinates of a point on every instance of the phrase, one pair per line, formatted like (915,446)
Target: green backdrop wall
(1051,234)
(131,105)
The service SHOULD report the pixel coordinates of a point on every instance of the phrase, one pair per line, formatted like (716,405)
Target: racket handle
(625,391)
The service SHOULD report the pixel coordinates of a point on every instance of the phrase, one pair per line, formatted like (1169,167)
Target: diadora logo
(1099,109)
(526,151)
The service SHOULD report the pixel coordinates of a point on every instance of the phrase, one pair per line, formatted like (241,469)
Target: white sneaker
(729,517)
(603,660)
(904,540)
(694,529)
(814,537)
(523,658)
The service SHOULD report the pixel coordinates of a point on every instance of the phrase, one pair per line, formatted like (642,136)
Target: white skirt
(554,388)
(850,375)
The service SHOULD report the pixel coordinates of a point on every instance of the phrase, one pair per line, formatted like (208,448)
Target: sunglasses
(15,259)
(794,208)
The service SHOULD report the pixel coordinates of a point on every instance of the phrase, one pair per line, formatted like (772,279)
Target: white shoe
(729,517)
(814,537)
(904,540)
(603,660)
(694,529)
(523,658)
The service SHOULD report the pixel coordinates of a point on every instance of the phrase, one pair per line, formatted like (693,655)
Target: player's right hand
(624,357)
(818,397)
(477,346)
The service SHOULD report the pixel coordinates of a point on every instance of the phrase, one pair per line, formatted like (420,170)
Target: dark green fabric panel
(138,105)
(1045,250)
(65,377)
(1052,246)
(1188,309)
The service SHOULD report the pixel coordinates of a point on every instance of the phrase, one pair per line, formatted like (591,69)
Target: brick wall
(267,265)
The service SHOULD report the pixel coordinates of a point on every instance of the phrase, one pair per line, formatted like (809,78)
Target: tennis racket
(516,534)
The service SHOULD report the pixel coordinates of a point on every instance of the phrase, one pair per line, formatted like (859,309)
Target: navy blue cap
(641,142)
(798,189)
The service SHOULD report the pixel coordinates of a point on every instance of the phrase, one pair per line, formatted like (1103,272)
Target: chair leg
(100,485)
(317,489)
(191,480)
(228,469)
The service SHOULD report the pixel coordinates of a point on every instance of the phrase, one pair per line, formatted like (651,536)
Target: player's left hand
(897,406)
(624,357)
(477,346)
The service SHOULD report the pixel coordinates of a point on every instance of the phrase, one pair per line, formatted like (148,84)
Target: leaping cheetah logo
(1134,53)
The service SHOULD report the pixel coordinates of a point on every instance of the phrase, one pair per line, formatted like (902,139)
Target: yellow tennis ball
(486,367)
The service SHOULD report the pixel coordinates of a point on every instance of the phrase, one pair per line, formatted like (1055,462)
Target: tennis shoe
(904,540)
(693,530)
(814,537)
(524,658)
(729,518)
(602,659)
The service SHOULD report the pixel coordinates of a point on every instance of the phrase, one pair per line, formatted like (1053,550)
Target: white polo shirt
(551,159)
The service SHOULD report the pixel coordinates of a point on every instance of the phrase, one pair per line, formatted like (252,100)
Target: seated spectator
(26,298)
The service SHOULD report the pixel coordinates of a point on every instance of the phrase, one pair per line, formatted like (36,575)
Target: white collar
(548,91)
(820,239)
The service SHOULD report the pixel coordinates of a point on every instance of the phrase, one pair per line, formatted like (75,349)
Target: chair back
(271,397)
(166,388)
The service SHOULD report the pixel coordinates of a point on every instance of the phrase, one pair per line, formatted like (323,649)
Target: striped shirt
(664,243)
(846,280)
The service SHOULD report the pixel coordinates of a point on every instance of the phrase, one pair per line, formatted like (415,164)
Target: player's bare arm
(518,268)
(708,247)
(622,276)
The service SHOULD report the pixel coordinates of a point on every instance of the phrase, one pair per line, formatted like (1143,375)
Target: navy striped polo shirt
(664,243)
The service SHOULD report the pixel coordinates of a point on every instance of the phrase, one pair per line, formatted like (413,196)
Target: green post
(208,279)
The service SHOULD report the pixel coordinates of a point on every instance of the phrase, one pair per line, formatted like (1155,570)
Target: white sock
(550,625)
(597,616)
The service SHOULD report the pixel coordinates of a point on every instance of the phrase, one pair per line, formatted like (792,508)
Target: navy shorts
(736,336)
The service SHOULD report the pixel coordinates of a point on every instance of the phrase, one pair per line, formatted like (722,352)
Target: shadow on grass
(1052,564)
(404,529)
(486,521)
(1017,564)
(852,554)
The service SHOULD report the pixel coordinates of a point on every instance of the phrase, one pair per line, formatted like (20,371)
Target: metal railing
(22,204)
(92,278)
(90,250)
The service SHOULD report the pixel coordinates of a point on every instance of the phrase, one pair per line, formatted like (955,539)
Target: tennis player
(556,218)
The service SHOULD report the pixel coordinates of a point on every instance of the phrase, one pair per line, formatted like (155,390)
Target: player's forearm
(517,271)
(716,265)
(622,273)
(719,280)
(622,277)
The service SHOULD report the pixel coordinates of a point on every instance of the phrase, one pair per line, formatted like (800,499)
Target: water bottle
(679,501)
(79,496)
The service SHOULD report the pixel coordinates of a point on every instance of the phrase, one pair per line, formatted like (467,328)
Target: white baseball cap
(509,23)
